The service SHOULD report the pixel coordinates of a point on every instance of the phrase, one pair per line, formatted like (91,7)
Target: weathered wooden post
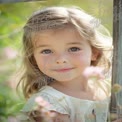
(116,98)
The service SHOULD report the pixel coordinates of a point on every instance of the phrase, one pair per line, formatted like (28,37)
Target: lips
(63,70)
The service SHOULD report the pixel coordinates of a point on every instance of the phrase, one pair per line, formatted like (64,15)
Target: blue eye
(46,51)
(74,49)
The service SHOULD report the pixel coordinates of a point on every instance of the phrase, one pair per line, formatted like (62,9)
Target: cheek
(43,62)
(82,59)
(77,57)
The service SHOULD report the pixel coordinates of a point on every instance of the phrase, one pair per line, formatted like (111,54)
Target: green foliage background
(12,19)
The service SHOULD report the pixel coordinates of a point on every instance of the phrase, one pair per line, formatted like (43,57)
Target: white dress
(79,110)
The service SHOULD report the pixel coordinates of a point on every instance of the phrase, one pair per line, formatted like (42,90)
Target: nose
(61,59)
(60,62)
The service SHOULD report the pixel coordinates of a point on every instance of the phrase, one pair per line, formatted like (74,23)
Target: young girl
(59,44)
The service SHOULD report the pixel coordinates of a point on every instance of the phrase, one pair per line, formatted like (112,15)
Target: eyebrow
(74,43)
(44,45)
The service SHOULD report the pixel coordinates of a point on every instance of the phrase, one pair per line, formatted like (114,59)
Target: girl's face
(62,55)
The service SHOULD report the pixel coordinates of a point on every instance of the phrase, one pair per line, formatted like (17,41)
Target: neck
(77,89)
(72,86)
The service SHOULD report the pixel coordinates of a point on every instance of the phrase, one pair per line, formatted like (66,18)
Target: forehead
(58,35)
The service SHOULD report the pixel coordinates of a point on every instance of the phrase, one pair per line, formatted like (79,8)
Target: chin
(64,79)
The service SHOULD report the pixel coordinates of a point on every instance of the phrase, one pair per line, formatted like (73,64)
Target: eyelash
(76,49)
(43,51)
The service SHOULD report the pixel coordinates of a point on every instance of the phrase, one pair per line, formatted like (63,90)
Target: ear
(95,54)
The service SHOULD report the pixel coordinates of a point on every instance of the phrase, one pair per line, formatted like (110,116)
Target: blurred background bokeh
(12,19)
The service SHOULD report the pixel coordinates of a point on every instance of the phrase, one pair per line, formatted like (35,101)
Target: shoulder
(50,94)
(30,103)
(57,102)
